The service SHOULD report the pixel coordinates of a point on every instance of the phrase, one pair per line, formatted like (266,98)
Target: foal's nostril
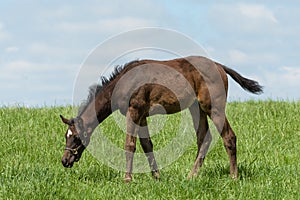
(64,161)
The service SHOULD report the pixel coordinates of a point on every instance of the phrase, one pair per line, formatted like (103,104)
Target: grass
(268,134)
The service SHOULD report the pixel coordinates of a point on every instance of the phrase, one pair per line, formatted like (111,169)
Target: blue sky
(44,43)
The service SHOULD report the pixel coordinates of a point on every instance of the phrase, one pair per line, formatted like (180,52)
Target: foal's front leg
(130,146)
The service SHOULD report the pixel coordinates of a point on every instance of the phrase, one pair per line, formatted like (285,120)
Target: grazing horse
(146,87)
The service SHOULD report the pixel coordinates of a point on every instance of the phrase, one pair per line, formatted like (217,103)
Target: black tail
(247,84)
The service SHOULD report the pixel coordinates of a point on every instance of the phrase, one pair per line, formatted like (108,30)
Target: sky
(44,44)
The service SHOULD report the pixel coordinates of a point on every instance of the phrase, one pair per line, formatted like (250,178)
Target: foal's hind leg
(203,136)
(147,146)
(229,140)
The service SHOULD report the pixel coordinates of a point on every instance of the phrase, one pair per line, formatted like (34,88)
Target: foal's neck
(98,109)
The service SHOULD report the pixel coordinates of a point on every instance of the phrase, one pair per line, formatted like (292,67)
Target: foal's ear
(66,121)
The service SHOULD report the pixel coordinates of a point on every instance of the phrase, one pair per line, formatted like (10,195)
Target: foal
(143,88)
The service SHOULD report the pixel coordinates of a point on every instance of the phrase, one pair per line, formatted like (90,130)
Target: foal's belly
(171,106)
(166,109)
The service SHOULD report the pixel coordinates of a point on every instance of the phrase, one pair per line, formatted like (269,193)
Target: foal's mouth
(68,163)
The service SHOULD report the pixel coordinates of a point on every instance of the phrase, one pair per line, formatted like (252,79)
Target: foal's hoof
(190,176)
(127,178)
(234,177)
(156,175)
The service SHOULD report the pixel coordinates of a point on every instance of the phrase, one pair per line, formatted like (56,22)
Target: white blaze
(69,133)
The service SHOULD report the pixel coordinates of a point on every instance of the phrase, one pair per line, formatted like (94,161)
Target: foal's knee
(130,147)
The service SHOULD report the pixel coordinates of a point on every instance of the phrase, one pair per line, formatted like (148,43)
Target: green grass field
(268,133)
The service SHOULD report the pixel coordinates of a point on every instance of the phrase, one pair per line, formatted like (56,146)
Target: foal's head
(76,141)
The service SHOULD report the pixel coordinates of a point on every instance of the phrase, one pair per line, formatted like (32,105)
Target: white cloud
(106,25)
(11,49)
(244,17)
(256,12)
(60,12)
(30,83)
(33,84)
(47,50)
(22,69)
(21,66)
(282,83)
(3,33)
(105,17)
(237,56)
(291,75)
(245,58)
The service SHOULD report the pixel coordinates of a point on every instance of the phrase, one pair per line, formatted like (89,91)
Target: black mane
(96,88)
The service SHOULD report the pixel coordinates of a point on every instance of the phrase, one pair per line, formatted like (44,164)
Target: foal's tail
(247,84)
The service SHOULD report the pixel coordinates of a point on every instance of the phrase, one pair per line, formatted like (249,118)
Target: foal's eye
(77,140)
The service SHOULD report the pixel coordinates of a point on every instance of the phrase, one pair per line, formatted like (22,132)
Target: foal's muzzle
(66,163)
(70,156)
